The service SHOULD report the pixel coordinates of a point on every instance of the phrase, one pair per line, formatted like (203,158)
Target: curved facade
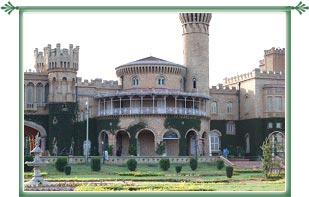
(154,103)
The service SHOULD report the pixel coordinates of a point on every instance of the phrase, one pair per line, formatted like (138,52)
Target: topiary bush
(178,169)
(165,164)
(229,171)
(95,164)
(67,170)
(60,163)
(131,164)
(193,164)
(220,164)
(26,167)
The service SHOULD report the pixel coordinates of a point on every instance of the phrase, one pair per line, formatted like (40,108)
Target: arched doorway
(30,131)
(171,140)
(145,143)
(103,139)
(277,140)
(214,143)
(204,138)
(122,143)
(192,141)
(247,140)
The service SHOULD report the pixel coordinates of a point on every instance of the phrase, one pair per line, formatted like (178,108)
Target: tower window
(161,81)
(194,83)
(229,107)
(135,81)
(214,109)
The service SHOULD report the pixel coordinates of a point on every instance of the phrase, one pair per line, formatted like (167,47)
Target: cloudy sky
(107,40)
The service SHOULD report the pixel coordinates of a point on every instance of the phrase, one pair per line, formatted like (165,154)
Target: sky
(107,40)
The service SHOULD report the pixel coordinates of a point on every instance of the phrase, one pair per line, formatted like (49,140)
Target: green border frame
(284,9)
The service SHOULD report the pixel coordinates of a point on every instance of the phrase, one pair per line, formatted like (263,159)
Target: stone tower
(274,60)
(196,50)
(61,66)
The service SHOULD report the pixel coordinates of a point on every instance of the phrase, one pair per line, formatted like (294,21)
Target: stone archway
(192,142)
(122,143)
(145,143)
(101,139)
(30,130)
(171,140)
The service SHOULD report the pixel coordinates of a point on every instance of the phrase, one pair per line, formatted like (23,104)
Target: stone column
(185,105)
(209,140)
(104,106)
(153,107)
(141,110)
(120,105)
(165,104)
(193,110)
(99,108)
(130,104)
(175,104)
(112,107)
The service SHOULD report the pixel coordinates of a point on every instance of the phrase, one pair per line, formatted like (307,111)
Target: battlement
(97,83)
(56,58)
(256,73)
(274,50)
(222,89)
(195,22)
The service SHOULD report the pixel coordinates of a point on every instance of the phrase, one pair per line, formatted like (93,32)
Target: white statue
(55,148)
(37,139)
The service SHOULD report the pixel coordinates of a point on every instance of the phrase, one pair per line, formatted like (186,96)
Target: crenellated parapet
(195,22)
(57,58)
(220,89)
(97,83)
(274,50)
(257,74)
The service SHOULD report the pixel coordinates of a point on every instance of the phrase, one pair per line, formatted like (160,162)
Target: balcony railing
(152,110)
(33,106)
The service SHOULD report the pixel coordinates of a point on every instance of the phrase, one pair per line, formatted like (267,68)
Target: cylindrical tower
(196,50)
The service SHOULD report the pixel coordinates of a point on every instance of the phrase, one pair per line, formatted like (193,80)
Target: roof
(152,61)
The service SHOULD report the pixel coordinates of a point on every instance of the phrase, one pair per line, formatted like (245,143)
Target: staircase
(247,164)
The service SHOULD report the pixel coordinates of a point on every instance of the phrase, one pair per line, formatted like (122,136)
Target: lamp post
(87,129)
(104,143)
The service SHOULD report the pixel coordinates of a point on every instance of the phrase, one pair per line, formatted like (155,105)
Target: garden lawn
(149,177)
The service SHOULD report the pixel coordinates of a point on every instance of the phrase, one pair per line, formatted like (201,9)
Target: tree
(272,164)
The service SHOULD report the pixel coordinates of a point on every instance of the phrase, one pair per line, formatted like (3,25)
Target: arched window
(194,83)
(247,139)
(230,127)
(39,93)
(30,93)
(46,93)
(161,80)
(278,142)
(214,109)
(214,140)
(229,107)
(64,85)
(135,81)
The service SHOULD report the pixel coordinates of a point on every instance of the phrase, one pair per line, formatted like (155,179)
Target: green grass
(151,178)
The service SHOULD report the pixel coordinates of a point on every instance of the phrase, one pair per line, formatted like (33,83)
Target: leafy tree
(271,163)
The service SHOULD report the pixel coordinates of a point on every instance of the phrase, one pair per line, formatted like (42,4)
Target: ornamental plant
(67,170)
(26,167)
(60,163)
(193,164)
(132,150)
(220,164)
(95,164)
(229,171)
(131,164)
(178,169)
(165,164)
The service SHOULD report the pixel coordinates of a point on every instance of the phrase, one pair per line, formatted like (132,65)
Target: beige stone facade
(150,89)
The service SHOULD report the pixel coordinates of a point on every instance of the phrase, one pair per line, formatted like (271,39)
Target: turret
(61,66)
(196,50)
(274,60)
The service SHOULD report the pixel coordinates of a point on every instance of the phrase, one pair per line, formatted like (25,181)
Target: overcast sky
(108,40)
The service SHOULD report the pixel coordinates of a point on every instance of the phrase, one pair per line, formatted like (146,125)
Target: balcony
(152,110)
(33,106)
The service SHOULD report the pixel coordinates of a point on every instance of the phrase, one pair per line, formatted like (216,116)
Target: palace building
(154,102)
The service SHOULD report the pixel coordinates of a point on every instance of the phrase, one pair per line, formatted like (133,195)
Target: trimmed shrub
(164,164)
(95,164)
(131,164)
(26,167)
(67,170)
(60,163)
(220,164)
(178,169)
(193,164)
(229,171)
